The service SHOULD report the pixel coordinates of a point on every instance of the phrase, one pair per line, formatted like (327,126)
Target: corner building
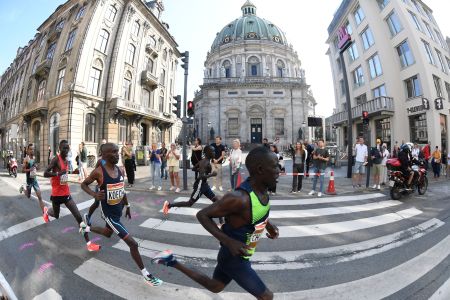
(95,69)
(397,62)
(254,86)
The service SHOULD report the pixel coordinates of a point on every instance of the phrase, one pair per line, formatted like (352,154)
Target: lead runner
(246,213)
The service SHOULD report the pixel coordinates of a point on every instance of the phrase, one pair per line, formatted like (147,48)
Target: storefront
(383,131)
(418,128)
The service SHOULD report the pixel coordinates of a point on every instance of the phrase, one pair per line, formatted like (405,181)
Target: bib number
(63,179)
(33,172)
(115,193)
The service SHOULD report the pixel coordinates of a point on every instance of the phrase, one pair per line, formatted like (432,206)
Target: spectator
(376,157)
(219,154)
(265,143)
(448,165)
(155,167)
(83,159)
(320,160)
(299,157)
(274,149)
(415,152)
(235,163)
(309,149)
(395,151)
(385,156)
(127,156)
(436,162)
(173,162)
(361,154)
(427,154)
(163,153)
(444,163)
(196,154)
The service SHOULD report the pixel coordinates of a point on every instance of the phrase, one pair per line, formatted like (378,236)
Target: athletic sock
(145,272)
(88,243)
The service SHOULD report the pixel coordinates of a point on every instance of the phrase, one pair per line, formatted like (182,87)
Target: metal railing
(372,106)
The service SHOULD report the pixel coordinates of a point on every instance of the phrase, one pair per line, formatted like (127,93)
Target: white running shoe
(171,188)
(311,193)
(177,190)
(378,187)
(213,188)
(319,194)
(21,189)
(152,187)
(159,188)
(220,188)
(374,186)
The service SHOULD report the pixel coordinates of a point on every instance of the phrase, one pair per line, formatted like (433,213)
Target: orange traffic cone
(331,190)
(239,180)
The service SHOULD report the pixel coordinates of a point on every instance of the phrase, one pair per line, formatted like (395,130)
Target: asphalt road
(352,246)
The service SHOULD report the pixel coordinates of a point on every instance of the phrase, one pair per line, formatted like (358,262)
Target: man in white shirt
(415,151)
(361,154)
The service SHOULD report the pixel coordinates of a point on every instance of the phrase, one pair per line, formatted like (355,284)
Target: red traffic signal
(365,115)
(190,108)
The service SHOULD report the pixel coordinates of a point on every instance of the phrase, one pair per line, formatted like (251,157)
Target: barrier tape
(302,174)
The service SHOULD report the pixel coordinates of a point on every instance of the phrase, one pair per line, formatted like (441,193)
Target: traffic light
(185,60)
(190,108)
(177,106)
(365,116)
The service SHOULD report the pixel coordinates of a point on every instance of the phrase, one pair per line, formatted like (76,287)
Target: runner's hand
(272,232)
(61,173)
(127,213)
(237,248)
(100,195)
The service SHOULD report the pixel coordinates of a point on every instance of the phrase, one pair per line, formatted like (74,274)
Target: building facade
(102,69)
(254,86)
(397,67)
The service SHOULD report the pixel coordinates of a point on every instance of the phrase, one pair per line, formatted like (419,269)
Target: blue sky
(194,25)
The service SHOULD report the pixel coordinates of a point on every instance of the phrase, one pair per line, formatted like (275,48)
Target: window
(417,5)
(394,23)
(429,16)
(60,25)
(429,52)
(441,40)
(279,126)
(60,81)
(437,85)
(80,12)
(34,65)
(54,132)
(413,88)
(29,92)
(359,15)
(164,55)
(441,61)
(353,52)
(348,27)
(361,99)
(429,31)
(102,41)
(415,21)
(111,13)
(89,128)
(367,38)
(405,54)
(254,70)
(94,81)
(162,79)
(342,85)
(70,40)
(253,66)
(382,3)
(148,62)
(126,90)
(44,38)
(227,68)
(123,132)
(448,62)
(447,88)
(418,128)
(379,91)
(41,90)
(136,27)
(375,66)
(161,102)
(130,54)
(51,50)
(280,68)
(145,102)
(358,77)
(233,126)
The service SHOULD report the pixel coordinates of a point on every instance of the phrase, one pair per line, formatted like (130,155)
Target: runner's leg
(39,196)
(55,209)
(76,214)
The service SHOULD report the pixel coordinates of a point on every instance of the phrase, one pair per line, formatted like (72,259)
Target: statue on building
(212,133)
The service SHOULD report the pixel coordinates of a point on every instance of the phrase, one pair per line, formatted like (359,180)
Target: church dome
(249,27)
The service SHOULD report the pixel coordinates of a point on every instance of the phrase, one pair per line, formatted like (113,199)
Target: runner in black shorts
(247,216)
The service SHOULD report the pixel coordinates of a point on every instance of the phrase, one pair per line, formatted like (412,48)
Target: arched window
(54,132)
(146,98)
(280,68)
(126,91)
(41,90)
(161,101)
(80,12)
(254,66)
(148,62)
(102,41)
(89,129)
(130,54)
(165,55)
(227,66)
(123,130)
(152,41)
(111,13)
(136,28)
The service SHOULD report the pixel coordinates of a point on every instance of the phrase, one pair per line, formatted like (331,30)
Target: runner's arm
(24,168)
(52,166)
(272,231)
(94,176)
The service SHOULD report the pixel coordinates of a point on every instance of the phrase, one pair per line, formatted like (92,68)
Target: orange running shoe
(92,247)
(166,207)
(45,215)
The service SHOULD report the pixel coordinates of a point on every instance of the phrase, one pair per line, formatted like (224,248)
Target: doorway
(256,130)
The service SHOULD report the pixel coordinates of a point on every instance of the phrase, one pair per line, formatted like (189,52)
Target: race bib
(252,239)
(115,193)
(33,172)
(63,179)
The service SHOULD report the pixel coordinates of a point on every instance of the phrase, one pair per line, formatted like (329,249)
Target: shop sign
(415,109)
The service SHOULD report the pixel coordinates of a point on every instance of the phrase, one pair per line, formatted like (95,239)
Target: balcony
(129,107)
(36,109)
(149,80)
(43,69)
(151,50)
(252,80)
(377,106)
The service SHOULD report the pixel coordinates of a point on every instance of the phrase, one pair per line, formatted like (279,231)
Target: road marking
(442,293)
(125,284)
(304,201)
(300,259)
(5,288)
(49,294)
(304,213)
(293,231)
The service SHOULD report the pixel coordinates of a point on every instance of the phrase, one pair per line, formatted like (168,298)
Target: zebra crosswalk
(394,226)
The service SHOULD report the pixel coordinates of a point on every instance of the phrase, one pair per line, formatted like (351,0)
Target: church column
(263,65)
(274,66)
(233,67)
(244,66)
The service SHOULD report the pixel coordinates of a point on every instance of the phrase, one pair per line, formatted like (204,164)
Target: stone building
(254,86)
(102,69)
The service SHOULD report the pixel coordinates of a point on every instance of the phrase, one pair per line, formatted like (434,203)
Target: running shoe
(86,219)
(152,280)
(21,189)
(177,190)
(166,207)
(92,247)
(164,258)
(45,215)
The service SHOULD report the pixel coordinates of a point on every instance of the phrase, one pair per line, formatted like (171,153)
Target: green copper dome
(249,27)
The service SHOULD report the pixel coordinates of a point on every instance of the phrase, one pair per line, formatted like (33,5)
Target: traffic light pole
(184,119)
(349,116)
